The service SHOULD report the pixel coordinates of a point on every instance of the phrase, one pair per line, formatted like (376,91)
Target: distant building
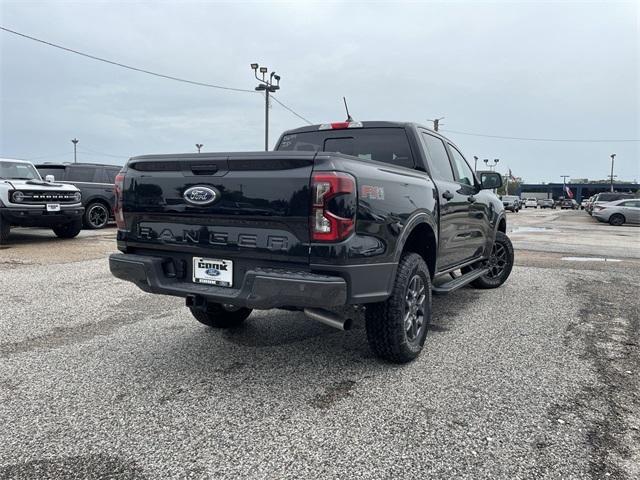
(580,190)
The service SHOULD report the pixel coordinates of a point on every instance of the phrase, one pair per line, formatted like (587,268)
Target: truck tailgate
(260,211)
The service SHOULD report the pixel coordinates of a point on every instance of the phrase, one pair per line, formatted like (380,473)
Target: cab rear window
(388,145)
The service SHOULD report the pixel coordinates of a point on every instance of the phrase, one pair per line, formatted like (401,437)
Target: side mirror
(49,178)
(490,180)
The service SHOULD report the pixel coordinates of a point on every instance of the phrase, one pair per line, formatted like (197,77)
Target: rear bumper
(39,217)
(261,288)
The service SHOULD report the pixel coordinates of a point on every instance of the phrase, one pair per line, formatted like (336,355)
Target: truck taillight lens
(333,206)
(117,210)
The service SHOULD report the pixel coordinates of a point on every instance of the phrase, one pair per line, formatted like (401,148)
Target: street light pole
(613,156)
(199,146)
(268,87)
(75,142)
(475,163)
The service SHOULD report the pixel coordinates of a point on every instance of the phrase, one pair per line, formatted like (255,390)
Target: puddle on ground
(590,259)
(532,229)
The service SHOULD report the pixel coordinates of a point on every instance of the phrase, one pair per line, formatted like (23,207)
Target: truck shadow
(278,340)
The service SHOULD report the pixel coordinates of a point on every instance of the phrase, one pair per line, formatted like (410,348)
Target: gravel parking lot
(537,379)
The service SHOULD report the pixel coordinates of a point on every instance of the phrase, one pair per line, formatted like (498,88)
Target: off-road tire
(217,316)
(385,321)
(617,219)
(68,230)
(494,280)
(5,228)
(96,216)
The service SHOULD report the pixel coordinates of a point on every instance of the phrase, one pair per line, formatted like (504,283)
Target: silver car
(618,212)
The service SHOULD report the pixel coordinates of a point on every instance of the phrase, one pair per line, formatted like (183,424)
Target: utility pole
(75,142)
(436,123)
(613,156)
(268,87)
(199,146)
(475,163)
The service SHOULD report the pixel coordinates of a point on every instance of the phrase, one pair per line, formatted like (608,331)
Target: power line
(142,70)
(529,139)
(290,110)
(118,64)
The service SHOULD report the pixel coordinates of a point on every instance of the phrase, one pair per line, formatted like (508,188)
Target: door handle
(471,199)
(447,195)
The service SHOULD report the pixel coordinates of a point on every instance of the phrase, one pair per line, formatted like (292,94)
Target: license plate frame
(53,207)
(212,271)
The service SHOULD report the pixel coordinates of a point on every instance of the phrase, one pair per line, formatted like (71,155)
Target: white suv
(28,201)
(531,202)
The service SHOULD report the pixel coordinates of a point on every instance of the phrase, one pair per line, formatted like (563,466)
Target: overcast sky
(561,70)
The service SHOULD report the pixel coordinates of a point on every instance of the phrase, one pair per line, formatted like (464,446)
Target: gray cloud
(551,70)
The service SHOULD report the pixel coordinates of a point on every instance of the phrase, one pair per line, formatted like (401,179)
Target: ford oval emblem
(201,196)
(212,272)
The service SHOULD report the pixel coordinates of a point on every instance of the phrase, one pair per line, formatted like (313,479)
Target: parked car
(511,203)
(568,204)
(607,197)
(618,212)
(28,201)
(584,203)
(531,202)
(95,181)
(362,213)
(546,203)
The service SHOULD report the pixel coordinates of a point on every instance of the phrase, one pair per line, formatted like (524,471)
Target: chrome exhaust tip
(329,318)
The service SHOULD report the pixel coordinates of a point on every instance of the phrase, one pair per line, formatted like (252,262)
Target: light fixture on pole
(199,146)
(75,143)
(475,163)
(268,87)
(493,165)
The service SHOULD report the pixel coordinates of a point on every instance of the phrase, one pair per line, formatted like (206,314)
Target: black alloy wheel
(96,216)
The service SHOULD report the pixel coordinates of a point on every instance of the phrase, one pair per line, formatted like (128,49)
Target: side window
(439,164)
(80,174)
(110,174)
(464,174)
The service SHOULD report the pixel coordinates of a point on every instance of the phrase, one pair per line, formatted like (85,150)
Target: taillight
(333,206)
(117,209)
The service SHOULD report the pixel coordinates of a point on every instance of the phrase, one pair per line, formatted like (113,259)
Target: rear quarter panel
(391,200)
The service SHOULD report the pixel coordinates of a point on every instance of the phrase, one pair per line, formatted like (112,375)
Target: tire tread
(385,337)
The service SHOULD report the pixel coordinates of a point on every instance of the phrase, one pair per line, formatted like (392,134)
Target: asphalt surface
(536,379)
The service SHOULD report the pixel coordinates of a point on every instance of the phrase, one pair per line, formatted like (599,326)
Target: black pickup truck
(348,214)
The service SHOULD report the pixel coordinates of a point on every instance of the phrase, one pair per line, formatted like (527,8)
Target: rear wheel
(616,219)
(397,327)
(5,228)
(217,315)
(68,230)
(499,264)
(96,215)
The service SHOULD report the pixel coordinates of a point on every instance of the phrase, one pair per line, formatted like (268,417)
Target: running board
(459,282)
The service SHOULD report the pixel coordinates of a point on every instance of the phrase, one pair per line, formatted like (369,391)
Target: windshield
(18,171)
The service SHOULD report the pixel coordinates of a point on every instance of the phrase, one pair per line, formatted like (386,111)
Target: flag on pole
(568,190)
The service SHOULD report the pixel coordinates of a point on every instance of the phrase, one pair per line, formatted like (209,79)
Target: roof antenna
(346,107)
